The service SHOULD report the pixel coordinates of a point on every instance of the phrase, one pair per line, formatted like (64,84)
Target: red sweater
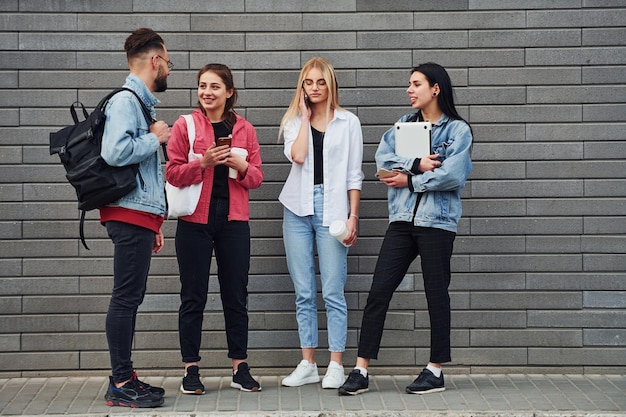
(180,172)
(138,218)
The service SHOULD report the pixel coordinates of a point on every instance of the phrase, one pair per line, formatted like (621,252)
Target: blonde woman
(324,144)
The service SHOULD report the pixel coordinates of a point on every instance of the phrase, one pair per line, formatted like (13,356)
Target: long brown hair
(222,71)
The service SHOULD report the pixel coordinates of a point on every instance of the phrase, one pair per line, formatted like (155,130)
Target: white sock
(363,371)
(334,364)
(436,371)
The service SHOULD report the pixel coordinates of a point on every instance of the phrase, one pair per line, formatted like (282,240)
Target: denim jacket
(127,140)
(438,192)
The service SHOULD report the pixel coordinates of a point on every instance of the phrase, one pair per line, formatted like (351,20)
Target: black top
(318,156)
(220,179)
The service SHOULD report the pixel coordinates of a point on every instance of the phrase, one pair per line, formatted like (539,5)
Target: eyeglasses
(170,65)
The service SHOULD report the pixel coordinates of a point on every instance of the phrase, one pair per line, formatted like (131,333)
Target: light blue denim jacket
(127,140)
(440,202)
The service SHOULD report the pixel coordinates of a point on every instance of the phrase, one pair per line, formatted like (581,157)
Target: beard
(160,83)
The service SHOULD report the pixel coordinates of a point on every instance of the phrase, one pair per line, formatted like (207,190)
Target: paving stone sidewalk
(471,395)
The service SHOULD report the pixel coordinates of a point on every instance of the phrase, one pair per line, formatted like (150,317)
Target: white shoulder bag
(182,201)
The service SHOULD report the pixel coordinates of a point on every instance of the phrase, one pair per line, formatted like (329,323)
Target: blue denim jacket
(440,202)
(127,140)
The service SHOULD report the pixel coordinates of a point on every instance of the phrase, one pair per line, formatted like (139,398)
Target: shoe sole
(429,391)
(305,382)
(242,388)
(359,391)
(195,392)
(133,404)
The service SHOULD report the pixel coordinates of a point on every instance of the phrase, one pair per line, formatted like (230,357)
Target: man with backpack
(134,221)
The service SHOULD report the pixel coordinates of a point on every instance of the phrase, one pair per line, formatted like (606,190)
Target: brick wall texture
(539,281)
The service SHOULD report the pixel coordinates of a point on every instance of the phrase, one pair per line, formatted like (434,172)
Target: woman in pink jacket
(220,222)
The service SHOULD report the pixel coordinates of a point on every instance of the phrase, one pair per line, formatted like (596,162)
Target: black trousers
(403,242)
(194,247)
(131,262)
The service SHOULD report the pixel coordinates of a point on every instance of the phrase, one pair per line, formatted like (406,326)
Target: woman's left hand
(237,162)
(353,229)
(399,180)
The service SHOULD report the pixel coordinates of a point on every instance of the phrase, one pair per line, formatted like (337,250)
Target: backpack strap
(78,104)
(144,108)
(81,229)
(149,118)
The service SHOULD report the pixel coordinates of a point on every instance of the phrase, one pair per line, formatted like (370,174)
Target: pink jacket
(180,172)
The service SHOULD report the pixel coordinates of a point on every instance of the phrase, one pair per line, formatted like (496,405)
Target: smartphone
(224,140)
(384,173)
(306,96)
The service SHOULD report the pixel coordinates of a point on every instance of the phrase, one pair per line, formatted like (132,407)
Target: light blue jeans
(299,234)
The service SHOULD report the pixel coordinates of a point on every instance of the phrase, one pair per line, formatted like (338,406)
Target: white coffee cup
(339,230)
(232,173)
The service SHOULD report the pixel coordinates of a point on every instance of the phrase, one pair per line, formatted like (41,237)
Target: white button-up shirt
(342,154)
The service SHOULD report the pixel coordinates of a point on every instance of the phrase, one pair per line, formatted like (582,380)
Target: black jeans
(131,262)
(402,243)
(194,246)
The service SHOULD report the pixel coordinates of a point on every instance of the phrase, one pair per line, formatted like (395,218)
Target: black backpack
(78,146)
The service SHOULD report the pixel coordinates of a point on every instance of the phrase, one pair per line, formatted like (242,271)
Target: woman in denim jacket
(424,201)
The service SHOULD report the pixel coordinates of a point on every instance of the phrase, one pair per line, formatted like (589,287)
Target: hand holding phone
(384,173)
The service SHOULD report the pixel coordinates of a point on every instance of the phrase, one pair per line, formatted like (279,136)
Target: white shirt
(343,155)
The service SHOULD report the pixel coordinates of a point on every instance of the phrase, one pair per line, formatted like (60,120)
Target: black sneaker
(155,390)
(355,384)
(191,382)
(131,394)
(243,380)
(426,383)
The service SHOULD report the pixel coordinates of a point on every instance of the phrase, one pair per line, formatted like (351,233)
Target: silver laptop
(413,139)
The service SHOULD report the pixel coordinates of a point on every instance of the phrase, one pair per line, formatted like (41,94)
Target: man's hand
(161,130)
(159,242)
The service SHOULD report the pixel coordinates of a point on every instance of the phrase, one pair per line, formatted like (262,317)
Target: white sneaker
(305,373)
(334,377)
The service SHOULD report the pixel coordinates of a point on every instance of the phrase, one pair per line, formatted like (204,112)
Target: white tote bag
(182,201)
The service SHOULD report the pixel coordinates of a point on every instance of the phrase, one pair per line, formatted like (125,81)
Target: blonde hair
(328,73)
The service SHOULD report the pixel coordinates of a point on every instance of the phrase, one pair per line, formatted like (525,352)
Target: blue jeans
(131,262)
(195,244)
(299,234)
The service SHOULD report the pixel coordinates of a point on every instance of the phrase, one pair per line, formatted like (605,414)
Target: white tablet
(413,139)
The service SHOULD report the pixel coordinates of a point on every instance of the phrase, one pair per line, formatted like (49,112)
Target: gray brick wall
(539,280)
